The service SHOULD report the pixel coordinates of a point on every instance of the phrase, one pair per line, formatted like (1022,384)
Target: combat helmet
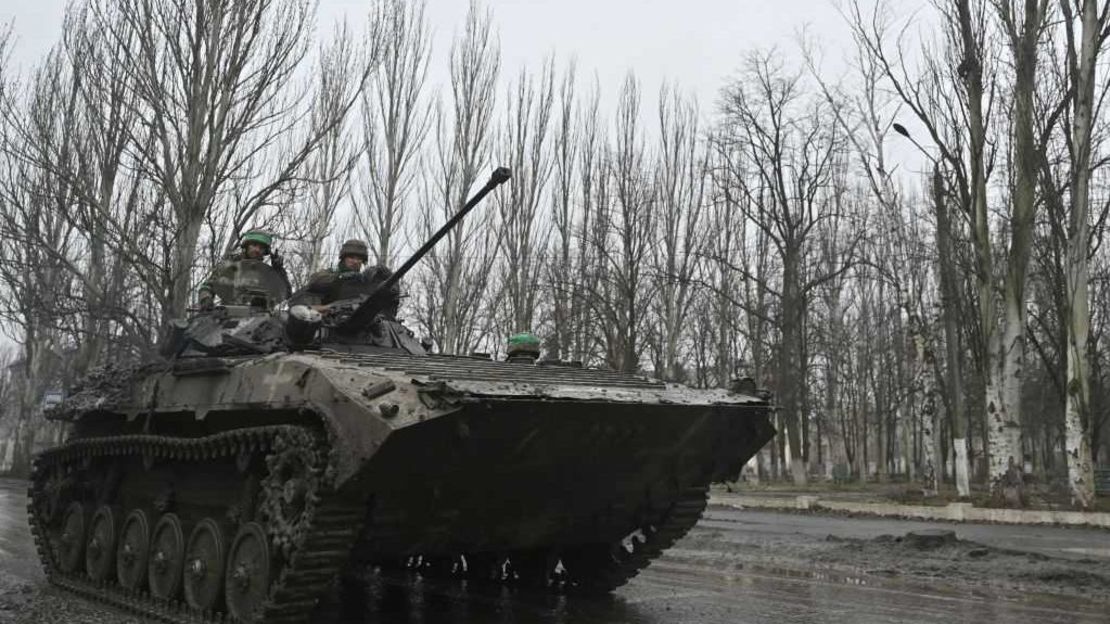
(524,346)
(354,247)
(257,236)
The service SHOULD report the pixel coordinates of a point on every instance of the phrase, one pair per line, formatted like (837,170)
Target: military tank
(271,450)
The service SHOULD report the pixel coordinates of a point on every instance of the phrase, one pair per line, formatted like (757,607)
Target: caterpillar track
(600,569)
(584,569)
(308,526)
(235,478)
(178,484)
(310,543)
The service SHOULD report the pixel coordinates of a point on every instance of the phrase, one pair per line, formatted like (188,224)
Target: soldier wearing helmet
(244,278)
(352,256)
(347,280)
(256,244)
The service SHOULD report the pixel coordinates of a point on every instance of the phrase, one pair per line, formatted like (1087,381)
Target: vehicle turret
(273,448)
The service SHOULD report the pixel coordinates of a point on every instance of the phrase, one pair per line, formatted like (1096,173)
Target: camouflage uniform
(242,280)
(341,282)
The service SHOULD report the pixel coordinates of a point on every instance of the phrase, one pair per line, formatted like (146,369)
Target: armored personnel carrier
(234,480)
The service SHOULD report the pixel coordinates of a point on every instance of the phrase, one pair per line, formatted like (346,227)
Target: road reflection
(716,591)
(407,598)
(663,594)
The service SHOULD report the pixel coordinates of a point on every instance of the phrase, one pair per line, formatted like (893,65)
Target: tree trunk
(930,457)
(791,377)
(950,301)
(1003,408)
(1077,412)
(1007,374)
(864,450)
(184,255)
(883,433)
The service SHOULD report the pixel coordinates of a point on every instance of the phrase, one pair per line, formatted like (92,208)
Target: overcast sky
(697,43)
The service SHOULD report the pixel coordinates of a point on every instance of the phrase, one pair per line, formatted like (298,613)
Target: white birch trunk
(930,470)
(924,365)
(963,481)
(1004,389)
(798,470)
(1077,443)
(1077,416)
(1003,408)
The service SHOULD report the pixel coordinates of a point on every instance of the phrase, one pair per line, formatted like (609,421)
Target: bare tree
(331,165)
(216,102)
(34,237)
(457,274)
(865,120)
(104,189)
(681,189)
(950,311)
(956,71)
(395,121)
(622,236)
(792,151)
(1023,32)
(737,272)
(741,272)
(524,228)
(586,272)
(85,159)
(565,214)
(1082,63)
(1097,357)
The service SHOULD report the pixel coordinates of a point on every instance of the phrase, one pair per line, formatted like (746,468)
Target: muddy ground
(943,558)
(735,566)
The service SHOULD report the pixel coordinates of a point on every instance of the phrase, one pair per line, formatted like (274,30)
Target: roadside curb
(953,512)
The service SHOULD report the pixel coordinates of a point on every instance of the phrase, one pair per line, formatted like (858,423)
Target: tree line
(944,323)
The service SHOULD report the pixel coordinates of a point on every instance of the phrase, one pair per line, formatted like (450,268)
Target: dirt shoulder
(1038,496)
(890,501)
(936,559)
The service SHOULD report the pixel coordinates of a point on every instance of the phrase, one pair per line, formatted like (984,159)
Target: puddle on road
(1090,552)
(883,593)
(668,593)
(408,598)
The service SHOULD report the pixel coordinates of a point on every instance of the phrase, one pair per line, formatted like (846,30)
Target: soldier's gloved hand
(277,260)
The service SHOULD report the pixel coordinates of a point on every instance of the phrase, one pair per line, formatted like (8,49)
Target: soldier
(244,278)
(348,279)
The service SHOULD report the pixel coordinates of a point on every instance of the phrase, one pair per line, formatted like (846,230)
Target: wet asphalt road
(670,591)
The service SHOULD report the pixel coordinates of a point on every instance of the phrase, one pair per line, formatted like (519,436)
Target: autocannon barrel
(375,301)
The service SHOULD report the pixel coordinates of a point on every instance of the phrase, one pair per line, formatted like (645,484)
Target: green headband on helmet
(524,339)
(255,236)
(523,344)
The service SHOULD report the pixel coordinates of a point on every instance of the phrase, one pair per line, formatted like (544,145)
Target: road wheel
(70,547)
(100,552)
(167,557)
(247,579)
(204,565)
(131,555)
